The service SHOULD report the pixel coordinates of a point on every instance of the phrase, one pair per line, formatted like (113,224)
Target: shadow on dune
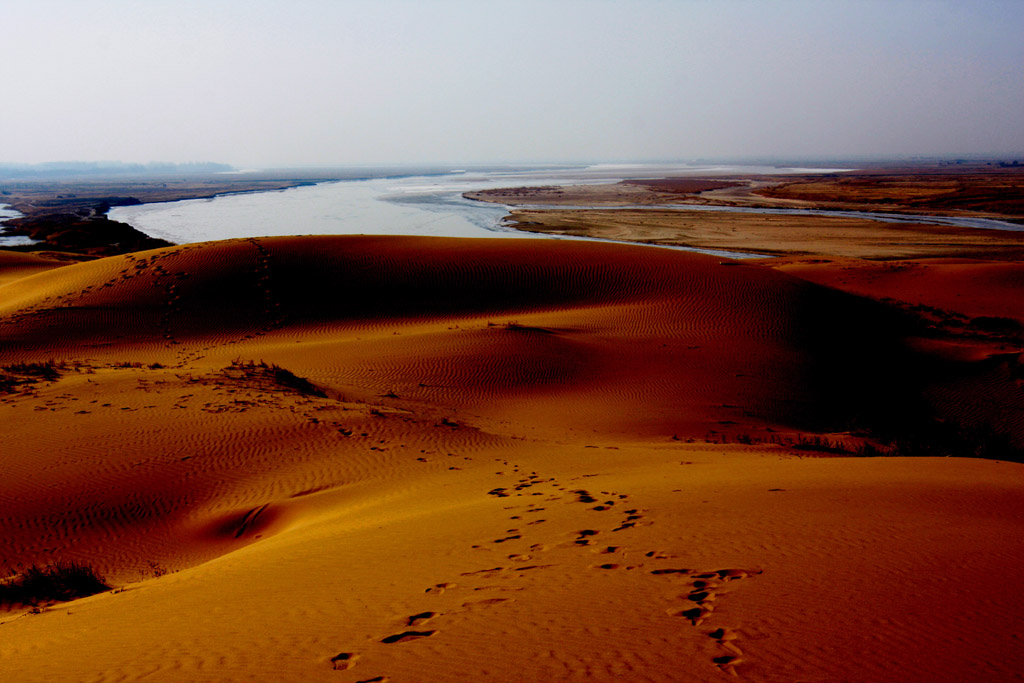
(663,334)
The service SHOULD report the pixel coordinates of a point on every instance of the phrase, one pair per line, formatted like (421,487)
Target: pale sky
(315,82)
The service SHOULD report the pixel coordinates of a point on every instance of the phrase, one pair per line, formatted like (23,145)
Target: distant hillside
(55,169)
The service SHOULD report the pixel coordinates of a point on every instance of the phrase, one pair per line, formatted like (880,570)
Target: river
(6,213)
(428,205)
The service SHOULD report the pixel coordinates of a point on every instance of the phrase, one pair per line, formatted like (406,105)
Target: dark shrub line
(19,374)
(57,582)
(280,376)
(940,440)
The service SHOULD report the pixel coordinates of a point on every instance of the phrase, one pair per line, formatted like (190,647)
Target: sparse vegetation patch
(13,377)
(58,582)
(939,440)
(274,375)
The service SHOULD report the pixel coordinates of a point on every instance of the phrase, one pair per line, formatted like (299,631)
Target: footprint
(406,636)
(422,617)
(583,496)
(724,634)
(658,555)
(727,663)
(696,615)
(700,597)
(440,588)
(479,604)
(344,661)
(492,570)
(733,574)
(727,641)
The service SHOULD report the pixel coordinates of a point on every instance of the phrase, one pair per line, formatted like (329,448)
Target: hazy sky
(295,82)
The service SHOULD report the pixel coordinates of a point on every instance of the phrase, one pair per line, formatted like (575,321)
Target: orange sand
(16,265)
(969,287)
(490,488)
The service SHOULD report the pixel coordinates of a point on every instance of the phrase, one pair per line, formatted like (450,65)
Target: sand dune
(16,265)
(979,308)
(973,288)
(481,324)
(414,459)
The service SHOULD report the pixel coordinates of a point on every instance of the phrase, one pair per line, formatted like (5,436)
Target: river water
(11,240)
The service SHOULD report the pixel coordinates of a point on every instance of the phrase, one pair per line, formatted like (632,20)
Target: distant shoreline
(70,216)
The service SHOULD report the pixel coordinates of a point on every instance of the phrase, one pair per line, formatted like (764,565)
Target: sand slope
(15,265)
(974,310)
(673,342)
(968,287)
(482,482)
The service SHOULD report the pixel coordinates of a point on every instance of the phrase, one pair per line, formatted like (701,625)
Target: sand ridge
(475,322)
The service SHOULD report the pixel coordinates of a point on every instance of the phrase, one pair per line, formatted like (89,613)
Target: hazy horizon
(322,84)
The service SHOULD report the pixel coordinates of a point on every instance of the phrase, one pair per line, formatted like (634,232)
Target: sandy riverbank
(773,234)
